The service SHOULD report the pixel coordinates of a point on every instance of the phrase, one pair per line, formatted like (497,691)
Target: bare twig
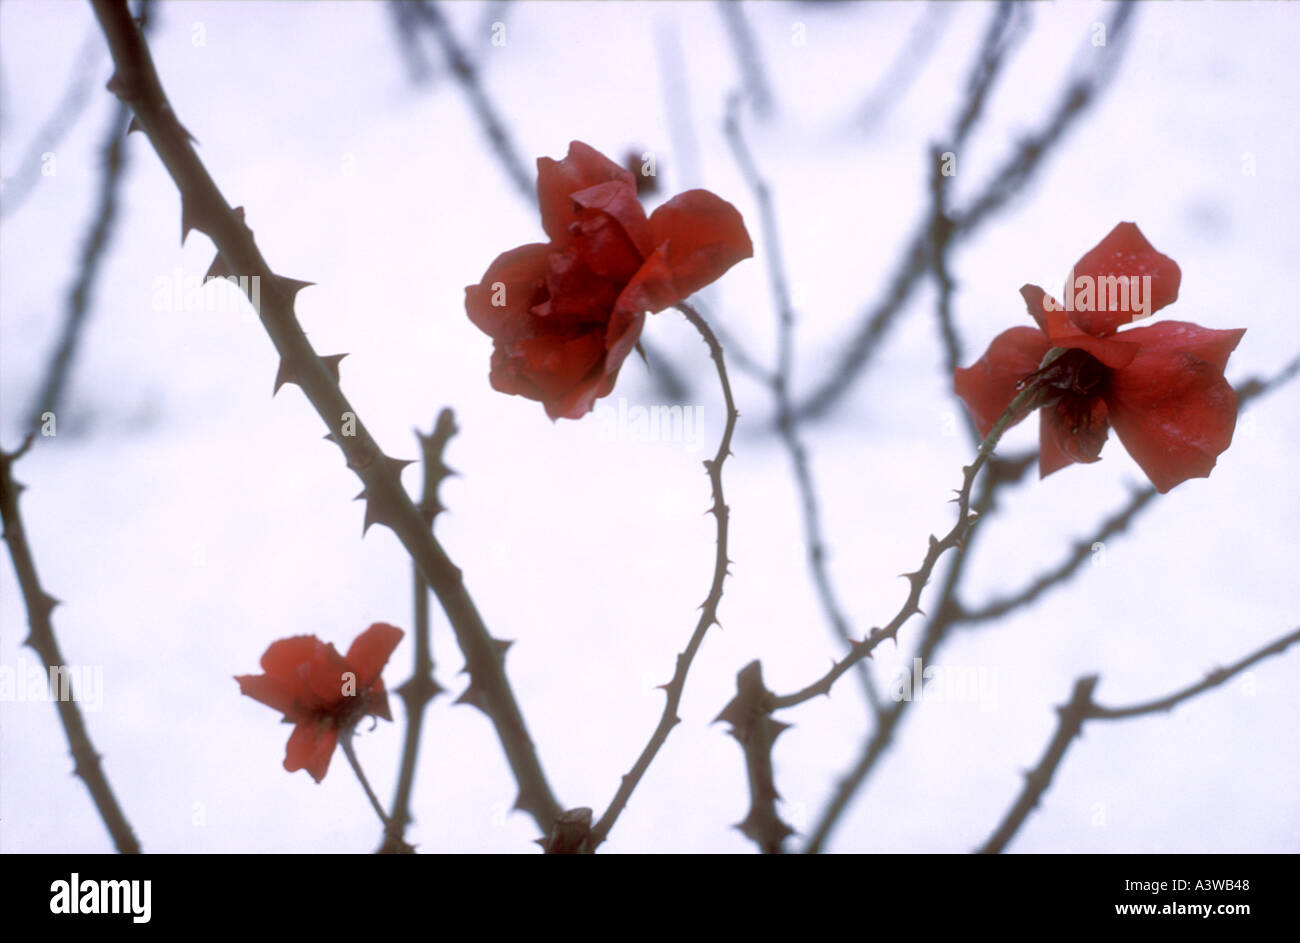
(955,537)
(950,614)
(1115,524)
(345,741)
(93,250)
(779,382)
(671,385)
(489,119)
(1009,181)
(72,102)
(1001,35)
(756,731)
(748,60)
(708,609)
(421,688)
(907,65)
(41,639)
(1001,472)
(1082,709)
(418,68)
(136,82)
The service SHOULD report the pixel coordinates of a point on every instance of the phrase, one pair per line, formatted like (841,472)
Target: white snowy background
(187,519)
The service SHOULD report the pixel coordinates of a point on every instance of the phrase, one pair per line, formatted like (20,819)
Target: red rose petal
(1055,322)
(310,747)
(1124,253)
(370,651)
(515,278)
(988,386)
(1066,437)
(555,365)
(618,203)
(284,657)
(270,691)
(557,181)
(1174,412)
(1209,345)
(324,676)
(704,236)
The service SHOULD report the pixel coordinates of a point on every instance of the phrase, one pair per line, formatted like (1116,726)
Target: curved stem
(345,741)
(41,638)
(708,611)
(1023,401)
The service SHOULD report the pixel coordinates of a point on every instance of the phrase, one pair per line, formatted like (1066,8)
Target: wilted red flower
(321,691)
(564,315)
(1160,387)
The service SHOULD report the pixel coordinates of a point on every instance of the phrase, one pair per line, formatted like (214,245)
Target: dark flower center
(1075,375)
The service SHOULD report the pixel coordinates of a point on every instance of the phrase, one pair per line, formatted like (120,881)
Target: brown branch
(421,688)
(136,82)
(1029,157)
(466,74)
(1082,709)
(1115,524)
(778,382)
(1001,472)
(911,57)
(748,60)
(756,731)
(41,639)
(708,610)
(93,250)
(955,537)
(950,614)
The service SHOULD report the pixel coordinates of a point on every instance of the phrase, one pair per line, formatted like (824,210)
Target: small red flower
(1160,387)
(563,315)
(322,692)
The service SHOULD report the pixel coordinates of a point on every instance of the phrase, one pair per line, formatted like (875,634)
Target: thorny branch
(136,82)
(954,538)
(949,613)
(778,382)
(748,59)
(1082,709)
(93,250)
(708,610)
(1012,177)
(41,639)
(421,688)
(1001,472)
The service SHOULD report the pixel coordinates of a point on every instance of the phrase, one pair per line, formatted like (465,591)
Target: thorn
(472,696)
(286,374)
(187,220)
(283,375)
(291,287)
(218,269)
(135,122)
(332,364)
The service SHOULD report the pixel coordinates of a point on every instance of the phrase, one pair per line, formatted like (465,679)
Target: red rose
(1161,387)
(564,315)
(322,692)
